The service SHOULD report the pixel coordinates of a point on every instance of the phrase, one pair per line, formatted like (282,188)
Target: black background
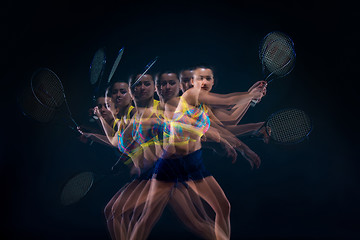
(306,191)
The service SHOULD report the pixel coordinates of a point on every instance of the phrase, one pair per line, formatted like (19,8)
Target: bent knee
(108,210)
(226,207)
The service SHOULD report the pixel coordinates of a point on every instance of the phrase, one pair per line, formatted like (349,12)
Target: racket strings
(290,126)
(277,54)
(47,88)
(31,107)
(97,66)
(76,188)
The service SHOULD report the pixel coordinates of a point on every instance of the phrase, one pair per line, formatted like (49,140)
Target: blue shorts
(181,168)
(146,174)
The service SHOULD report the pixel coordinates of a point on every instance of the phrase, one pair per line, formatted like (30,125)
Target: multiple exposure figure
(162,143)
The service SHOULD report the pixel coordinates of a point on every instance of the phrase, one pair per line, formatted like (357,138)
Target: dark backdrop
(307,191)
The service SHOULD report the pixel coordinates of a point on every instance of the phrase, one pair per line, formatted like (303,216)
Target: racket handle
(254,102)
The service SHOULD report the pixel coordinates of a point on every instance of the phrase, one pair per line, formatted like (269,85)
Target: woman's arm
(194,96)
(230,142)
(108,130)
(244,129)
(233,116)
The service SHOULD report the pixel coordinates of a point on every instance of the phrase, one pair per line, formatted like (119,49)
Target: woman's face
(120,94)
(185,77)
(106,108)
(203,78)
(144,89)
(168,86)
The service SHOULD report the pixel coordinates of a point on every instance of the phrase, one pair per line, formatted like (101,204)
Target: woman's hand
(257,84)
(97,111)
(258,90)
(250,156)
(231,152)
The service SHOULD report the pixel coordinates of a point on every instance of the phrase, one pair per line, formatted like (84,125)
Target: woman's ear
(131,95)
(156,89)
(192,80)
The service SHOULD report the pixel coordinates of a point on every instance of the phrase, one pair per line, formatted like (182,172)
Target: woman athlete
(181,161)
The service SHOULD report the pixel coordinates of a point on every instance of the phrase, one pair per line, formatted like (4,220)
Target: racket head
(147,68)
(288,126)
(76,188)
(31,108)
(97,66)
(116,63)
(47,88)
(277,55)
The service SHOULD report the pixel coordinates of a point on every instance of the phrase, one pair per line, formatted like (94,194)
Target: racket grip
(253,102)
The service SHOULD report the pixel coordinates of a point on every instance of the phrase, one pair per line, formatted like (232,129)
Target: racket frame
(147,67)
(262,52)
(62,91)
(83,194)
(265,125)
(99,78)
(116,63)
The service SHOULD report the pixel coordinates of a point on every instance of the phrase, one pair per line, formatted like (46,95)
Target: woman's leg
(211,192)
(108,211)
(156,201)
(190,210)
(133,207)
(116,227)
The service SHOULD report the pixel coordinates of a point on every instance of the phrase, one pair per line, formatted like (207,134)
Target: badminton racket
(287,126)
(277,56)
(49,95)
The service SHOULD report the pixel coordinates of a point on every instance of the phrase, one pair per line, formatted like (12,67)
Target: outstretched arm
(194,96)
(232,143)
(234,115)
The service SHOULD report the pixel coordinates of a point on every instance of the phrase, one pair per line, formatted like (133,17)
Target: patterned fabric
(187,123)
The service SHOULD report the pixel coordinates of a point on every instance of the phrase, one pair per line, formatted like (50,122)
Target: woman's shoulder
(190,97)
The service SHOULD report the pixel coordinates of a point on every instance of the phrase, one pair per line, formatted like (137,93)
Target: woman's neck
(123,111)
(145,103)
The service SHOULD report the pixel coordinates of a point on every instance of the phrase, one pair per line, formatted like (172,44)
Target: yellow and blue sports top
(123,120)
(145,133)
(187,123)
(146,130)
(123,144)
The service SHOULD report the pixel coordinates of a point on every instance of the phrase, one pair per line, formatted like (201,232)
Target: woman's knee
(108,209)
(226,207)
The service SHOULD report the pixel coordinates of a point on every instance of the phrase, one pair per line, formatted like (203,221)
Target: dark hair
(158,75)
(110,88)
(133,77)
(184,69)
(206,66)
(99,94)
